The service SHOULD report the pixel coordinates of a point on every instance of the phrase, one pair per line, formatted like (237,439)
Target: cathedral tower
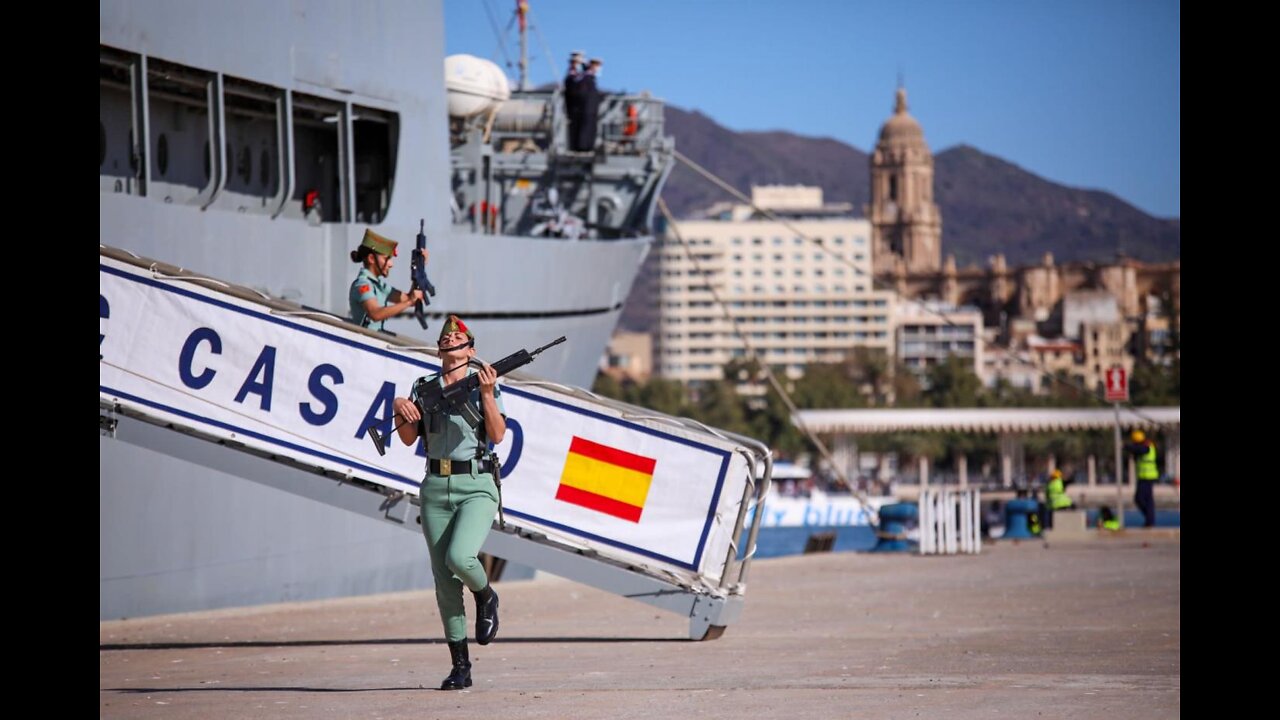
(905,222)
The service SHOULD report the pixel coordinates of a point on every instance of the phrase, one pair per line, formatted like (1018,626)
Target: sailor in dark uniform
(573,97)
(585,137)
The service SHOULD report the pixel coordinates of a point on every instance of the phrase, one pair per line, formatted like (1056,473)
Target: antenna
(522,12)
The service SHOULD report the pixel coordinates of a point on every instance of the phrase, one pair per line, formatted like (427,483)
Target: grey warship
(255,143)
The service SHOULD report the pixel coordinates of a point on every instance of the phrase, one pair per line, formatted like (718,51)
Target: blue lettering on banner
(812,516)
(517,445)
(381,411)
(104,312)
(266,366)
(328,400)
(204,334)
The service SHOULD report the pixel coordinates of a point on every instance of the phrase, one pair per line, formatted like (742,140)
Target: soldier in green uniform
(459,495)
(372,298)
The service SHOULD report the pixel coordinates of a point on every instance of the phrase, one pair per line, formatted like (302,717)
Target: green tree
(827,385)
(773,426)
(872,371)
(720,406)
(1154,384)
(606,386)
(664,396)
(952,384)
(906,388)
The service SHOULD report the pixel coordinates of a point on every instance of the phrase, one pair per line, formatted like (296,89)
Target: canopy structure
(987,420)
(1009,423)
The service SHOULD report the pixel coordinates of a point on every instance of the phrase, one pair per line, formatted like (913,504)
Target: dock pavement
(1085,629)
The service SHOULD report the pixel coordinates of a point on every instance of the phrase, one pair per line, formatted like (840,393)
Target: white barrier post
(950,521)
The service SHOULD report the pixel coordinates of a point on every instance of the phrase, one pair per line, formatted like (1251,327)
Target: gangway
(227,378)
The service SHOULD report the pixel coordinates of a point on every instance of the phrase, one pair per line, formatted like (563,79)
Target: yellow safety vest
(1057,494)
(1147,464)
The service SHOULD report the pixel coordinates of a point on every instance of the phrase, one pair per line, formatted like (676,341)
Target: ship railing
(535,121)
(631,124)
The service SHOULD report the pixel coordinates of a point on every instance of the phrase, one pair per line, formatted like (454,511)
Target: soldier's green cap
(454,324)
(379,244)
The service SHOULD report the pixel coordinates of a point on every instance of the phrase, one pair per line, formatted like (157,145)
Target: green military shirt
(366,286)
(451,437)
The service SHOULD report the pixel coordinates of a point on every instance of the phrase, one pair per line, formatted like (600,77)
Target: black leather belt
(457,467)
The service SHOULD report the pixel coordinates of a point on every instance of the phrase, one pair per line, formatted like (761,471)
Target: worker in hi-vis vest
(1055,496)
(1143,451)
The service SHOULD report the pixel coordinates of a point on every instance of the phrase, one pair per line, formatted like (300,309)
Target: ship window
(253,128)
(178,111)
(177,150)
(316,161)
(115,119)
(374,134)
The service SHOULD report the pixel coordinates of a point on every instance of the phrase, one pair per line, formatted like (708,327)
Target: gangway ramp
(226,378)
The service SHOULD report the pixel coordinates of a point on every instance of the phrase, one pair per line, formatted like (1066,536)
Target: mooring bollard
(892,535)
(1015,519)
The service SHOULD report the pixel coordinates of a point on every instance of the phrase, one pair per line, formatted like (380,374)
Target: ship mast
(522,12)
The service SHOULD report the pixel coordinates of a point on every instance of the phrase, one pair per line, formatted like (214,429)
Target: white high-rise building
(796,302)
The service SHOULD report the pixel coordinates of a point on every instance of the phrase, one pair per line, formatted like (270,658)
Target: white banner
(295,387)
(678,506)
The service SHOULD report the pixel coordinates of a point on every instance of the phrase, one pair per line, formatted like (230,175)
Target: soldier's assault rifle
(418,266)
(431,398)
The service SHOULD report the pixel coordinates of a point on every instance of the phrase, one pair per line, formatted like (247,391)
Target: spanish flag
(606,479)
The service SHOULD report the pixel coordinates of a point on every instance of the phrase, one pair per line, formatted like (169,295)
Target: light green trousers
(457,512)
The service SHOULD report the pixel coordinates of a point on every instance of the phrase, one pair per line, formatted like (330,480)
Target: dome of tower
(901,128)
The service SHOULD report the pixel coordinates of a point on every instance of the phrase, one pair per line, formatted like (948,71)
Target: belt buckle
(446,466)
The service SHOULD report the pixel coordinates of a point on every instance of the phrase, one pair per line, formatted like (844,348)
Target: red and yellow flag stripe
(606,479)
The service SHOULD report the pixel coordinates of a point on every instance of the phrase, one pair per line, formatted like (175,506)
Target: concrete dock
(1085,629)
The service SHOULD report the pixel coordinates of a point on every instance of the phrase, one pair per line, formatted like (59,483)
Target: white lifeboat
(475,85)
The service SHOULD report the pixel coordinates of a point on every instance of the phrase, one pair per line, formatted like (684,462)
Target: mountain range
(989,205)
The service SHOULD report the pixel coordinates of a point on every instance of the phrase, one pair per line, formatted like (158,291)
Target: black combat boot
(461,676)
(486,615)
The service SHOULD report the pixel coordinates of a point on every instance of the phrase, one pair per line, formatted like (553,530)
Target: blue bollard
(891,537)
(1015,519)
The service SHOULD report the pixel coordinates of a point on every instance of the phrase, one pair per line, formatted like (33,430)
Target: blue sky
(1086,93)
